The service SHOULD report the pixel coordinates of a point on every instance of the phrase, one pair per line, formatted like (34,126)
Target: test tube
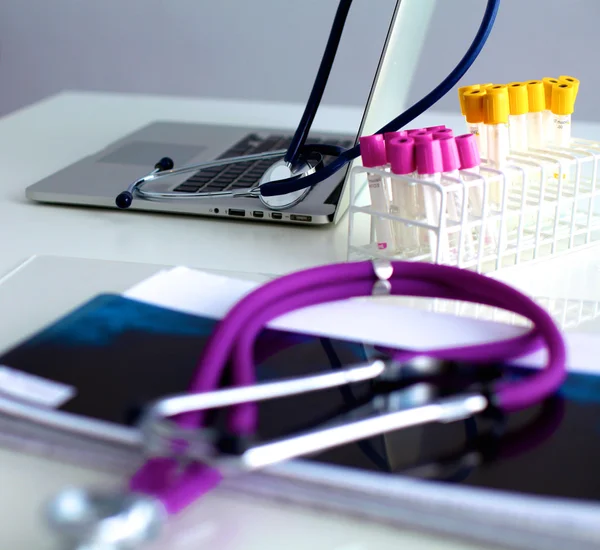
(570,80)
(563,104)
(434,129)
(498,143)
(428,158)
(450,166)
(372,150)
(535,118)
(475,116)
(422,135)
(407,197)
(468,153)
(496,114)
(517,120)
(470,160)
(388,137)
(461,96)
(548,124)
(445,132)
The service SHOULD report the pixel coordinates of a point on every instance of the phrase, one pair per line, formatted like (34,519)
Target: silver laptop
(96,180)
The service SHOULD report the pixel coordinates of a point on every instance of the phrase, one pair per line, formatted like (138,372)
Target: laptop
(97,179)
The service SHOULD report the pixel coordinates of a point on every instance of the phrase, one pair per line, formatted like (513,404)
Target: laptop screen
(399,39)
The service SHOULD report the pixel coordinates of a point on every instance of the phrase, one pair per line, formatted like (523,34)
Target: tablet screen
(120,355)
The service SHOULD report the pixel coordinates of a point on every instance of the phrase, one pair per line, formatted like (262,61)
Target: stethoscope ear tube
(125,198)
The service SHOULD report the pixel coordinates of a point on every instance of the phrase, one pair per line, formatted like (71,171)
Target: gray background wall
(237,49)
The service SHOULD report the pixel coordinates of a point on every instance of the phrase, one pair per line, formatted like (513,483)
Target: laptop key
(211,187)
(222,181)
(201,178)
(246,180)
(186,188)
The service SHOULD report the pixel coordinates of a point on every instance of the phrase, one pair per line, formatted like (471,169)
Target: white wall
(260,49)
(531,39)
(270,49)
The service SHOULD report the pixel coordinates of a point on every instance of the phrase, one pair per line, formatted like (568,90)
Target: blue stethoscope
(301,167)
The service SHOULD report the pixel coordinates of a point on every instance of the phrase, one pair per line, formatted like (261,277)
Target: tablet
(532,473)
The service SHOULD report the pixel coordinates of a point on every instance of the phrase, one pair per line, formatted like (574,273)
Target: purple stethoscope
(186,459)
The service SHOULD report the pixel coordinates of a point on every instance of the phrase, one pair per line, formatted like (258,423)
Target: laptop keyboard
(244,175)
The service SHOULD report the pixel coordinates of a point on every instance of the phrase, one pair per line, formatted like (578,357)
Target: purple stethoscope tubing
(339,281)
(232,342)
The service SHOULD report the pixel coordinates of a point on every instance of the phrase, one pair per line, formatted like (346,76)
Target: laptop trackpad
(147,153)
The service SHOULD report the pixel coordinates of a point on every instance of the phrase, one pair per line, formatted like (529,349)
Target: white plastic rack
(544,202)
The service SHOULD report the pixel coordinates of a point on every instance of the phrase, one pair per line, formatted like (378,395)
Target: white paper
(34,389)
(372,321)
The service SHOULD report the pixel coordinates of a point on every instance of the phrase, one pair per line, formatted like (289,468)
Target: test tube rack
(568,314)
(544,202)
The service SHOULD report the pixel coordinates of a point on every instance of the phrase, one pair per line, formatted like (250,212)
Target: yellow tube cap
(571,80)
(474,106)
(517,98)
(535,96)
(563,98)
(461,95)
(548,83)
(486,86)
(496,105)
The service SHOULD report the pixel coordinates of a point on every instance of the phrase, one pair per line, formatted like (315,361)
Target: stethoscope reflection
(494,445)
(485,440)
(482,444)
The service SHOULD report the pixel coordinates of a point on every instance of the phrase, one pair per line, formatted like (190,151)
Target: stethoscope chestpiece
(94,520)
(282,170)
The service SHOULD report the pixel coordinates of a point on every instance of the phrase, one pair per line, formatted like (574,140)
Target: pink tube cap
(389,137)
(413,131)
(401,154)
(450,158)
(445,132)
(422,135)
(428,156)
(372,151)
(468,152)
(436,128)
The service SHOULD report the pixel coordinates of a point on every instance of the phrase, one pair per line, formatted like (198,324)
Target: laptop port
(258,214)
(277,215)
(239,213)
(300,218)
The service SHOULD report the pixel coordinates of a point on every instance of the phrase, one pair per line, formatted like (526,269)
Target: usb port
(258,214)
(277,215)
(240,213)
(300,218)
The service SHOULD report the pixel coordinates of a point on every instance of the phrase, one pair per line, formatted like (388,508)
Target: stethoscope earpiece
(124,200)
(165,163)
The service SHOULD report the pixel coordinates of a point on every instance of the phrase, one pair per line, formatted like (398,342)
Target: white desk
(41,139)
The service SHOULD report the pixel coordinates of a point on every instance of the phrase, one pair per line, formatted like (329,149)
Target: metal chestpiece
(94,520)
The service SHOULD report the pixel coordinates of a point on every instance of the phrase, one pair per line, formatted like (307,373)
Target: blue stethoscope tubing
(298,147)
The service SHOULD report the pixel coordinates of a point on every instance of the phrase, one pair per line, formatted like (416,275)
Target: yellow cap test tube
(461,95)
(498,143)
(571,80)
(475,116)
(536,102)
(497,105)
(518,103)
(563,105)
(548,127)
